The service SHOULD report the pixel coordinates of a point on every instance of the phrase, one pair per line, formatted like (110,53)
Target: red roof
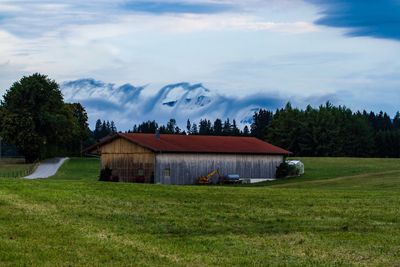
(199,144)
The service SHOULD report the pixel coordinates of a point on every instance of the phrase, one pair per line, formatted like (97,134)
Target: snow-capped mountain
(128,104)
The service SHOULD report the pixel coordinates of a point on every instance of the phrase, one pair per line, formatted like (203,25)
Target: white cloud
(5,7)
(192,23)
(185,24)
(74,39)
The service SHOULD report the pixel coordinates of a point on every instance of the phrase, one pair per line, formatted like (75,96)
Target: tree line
(204,127)
(36,122)
(324,131)
(335,131)
(103,128)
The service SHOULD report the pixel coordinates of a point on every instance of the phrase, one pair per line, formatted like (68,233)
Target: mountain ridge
(128,105)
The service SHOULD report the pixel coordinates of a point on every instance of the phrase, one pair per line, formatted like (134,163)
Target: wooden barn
(182,159)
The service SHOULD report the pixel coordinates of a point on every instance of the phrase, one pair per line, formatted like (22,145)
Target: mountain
(128,104)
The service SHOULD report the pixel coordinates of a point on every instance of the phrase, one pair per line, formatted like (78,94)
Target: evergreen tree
(261,121)
(285,129)
(147,127)
(396,121)
(246,131)
(235,129)
(97,130)
(188,126)
(227,128)
(104,130)
(205,127)
(113,129)
(108,127)
(171,126)
(194,129)
(217,127)
(162,129)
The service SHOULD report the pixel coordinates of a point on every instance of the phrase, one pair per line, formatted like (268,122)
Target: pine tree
(113,129)
(204,127)
(108,127)
(261,120)
(235,129)
(188,126)
(246,131)
(396,121)
(194,129)
(147,127)
(97,130)
(227,128)
(171,126)
(217,128)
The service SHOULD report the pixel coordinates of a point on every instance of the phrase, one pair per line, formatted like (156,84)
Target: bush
(285,170)
(114,178)
(106,175)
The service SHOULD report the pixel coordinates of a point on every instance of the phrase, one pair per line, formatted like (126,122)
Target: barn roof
(197,144)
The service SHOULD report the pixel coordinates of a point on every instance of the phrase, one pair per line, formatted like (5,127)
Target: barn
(181,159)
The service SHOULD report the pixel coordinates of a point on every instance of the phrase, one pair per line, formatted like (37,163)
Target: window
(167,173)
(140,172)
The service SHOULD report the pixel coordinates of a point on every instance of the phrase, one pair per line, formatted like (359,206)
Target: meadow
(341,212)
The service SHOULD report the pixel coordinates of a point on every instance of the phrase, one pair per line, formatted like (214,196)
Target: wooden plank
(186,168)
(127,160)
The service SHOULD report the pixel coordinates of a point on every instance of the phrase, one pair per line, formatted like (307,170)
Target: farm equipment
(231,179)
(207,179)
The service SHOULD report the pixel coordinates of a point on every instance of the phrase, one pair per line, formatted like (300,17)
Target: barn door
(167,176)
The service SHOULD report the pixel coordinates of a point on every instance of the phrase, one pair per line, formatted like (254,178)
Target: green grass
(340,213)
(14,167)
(87,169)
(327,168)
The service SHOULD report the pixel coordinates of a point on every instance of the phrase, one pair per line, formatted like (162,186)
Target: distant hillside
(127,104)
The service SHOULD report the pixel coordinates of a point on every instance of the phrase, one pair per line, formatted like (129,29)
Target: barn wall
(186,168)
(127,159)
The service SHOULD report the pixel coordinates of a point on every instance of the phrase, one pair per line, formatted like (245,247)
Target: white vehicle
(298,164)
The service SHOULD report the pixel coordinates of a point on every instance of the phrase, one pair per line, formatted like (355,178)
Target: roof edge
(111,138)
(114,136)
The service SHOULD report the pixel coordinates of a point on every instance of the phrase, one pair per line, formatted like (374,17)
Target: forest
(37,123)
(324,131)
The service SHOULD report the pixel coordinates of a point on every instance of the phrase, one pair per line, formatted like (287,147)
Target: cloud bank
(242,48)
(380,19)
(128,105)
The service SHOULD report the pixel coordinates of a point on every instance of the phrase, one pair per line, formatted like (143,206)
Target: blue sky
(344,51)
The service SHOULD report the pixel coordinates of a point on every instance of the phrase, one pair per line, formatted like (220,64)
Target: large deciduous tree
(35,119)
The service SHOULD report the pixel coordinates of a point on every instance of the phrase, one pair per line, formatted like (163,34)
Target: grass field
(342,212)
(14,167)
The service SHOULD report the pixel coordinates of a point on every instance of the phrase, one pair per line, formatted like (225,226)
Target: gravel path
(47,168)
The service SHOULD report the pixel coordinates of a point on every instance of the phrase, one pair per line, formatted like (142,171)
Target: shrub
(286,170)
(106,175)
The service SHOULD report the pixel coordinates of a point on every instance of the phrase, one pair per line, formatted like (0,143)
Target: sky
(344,51)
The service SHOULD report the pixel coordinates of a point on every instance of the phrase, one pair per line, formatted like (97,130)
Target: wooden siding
(186,168)
(127,160)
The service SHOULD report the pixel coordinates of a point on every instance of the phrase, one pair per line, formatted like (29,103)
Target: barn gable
(129,161)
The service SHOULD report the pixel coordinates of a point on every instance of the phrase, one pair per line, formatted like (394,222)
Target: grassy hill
(342,212)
